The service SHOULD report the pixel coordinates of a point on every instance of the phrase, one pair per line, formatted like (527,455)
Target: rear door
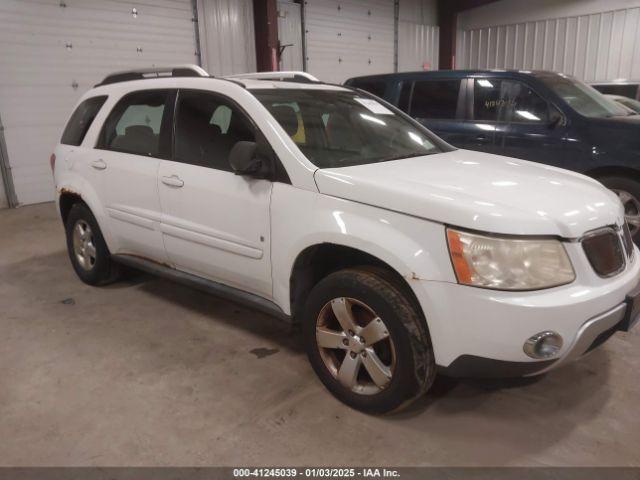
(215,224)
(135,136)
(438,104)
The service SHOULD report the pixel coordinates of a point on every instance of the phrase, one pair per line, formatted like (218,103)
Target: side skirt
(209,286)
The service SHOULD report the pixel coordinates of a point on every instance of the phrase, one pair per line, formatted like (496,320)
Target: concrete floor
(147,372)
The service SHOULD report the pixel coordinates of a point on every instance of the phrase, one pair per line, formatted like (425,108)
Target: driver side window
(509,101)
(207,128)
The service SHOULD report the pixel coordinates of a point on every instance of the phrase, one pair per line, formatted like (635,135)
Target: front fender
(414,247)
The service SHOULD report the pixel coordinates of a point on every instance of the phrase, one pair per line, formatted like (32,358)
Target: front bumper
(481,332)
(593,333)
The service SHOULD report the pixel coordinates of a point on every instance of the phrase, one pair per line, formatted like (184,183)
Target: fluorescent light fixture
(485,83)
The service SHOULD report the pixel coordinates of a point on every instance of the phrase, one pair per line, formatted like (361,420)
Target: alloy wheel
(631,210)
(83,245)
(355,345)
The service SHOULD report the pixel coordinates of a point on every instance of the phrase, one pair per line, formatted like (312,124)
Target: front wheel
(367,342)
(628,190)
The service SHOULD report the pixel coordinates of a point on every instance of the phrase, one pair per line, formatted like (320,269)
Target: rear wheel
(628,191)
(87,249)
(366,341)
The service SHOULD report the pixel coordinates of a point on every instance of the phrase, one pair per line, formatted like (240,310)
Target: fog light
(543,345)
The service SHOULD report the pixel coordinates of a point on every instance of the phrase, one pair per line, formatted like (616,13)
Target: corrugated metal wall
(349,37)
(52,51)
(418,35)
(227,37)
(595,47)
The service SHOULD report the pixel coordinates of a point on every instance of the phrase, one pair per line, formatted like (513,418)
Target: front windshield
(339,128)
(582,98)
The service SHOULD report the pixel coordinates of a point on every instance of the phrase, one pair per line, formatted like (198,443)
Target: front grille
(604,251)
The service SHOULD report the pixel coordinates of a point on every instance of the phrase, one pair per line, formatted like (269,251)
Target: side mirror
(245,159)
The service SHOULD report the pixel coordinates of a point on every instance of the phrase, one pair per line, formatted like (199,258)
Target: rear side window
(372,86)
(81,120)
(135,124)
(435,99)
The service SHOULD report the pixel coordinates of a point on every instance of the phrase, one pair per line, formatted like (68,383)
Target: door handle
(99,164)
(173,181)
(482,139)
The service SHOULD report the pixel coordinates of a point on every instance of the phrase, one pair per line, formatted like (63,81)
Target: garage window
(81,120)
(135,123)
(436,99)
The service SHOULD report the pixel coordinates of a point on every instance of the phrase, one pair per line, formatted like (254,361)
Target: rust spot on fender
(65,190)
(413,276)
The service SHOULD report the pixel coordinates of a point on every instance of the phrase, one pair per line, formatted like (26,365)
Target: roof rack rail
(155,72)
(292,76)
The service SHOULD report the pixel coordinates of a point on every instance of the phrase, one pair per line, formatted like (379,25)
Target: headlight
(504,263)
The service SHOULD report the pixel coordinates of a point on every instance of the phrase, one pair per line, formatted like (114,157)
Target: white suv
(398,255)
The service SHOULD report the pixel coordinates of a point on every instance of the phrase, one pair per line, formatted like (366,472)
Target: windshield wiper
(408,155)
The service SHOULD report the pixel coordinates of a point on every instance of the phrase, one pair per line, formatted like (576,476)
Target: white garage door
(348,38)
(52,51)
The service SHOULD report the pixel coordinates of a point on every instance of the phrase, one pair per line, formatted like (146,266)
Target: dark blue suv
(540,116)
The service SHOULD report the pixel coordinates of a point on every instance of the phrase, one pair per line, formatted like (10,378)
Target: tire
(629,192)
(95,267)
(405,354)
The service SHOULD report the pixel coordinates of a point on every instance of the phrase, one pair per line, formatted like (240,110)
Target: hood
(480,191)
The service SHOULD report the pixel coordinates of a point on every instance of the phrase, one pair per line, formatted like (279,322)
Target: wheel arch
(610,171)
(70,193)
(317,261)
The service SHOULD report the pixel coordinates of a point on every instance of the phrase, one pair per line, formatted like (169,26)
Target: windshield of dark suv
(338,128)
(582,98)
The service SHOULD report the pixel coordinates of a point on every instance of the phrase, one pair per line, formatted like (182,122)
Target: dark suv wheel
(367,342)
(628,190)
(87,249)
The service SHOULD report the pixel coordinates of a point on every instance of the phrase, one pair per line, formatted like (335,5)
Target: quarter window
(207,128)
(436,99)
(81,120)
(135,124)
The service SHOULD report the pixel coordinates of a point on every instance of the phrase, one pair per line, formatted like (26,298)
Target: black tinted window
(526,105)
(372,86)
(207,128)
(435,99)
(81,120)
(405,96)
(489,99)
(508,100)
(135,124)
